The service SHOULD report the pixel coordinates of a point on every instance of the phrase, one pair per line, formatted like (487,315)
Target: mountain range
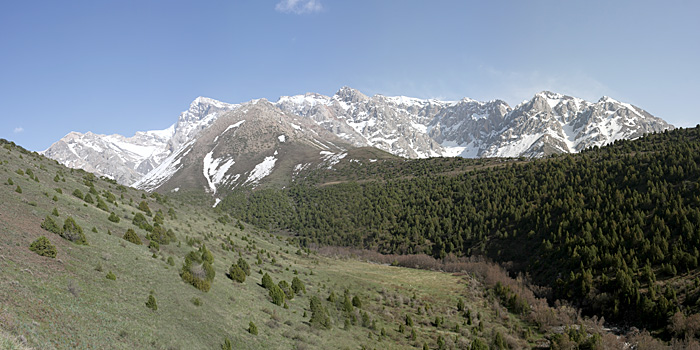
(216,144)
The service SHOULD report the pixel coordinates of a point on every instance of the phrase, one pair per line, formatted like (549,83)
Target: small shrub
(252,328)
(78,193)
(171,262)
(356,302)
(43,247)
(49,225)
(111,276)
(88,199)
(298,286)
(114,217)
(236,273)
(287,289)
(94,229)
(18,189)
(267,281)
(197,271)
(244,266)
(101,204)
(10,182)
(141,222)
(54,212)
(143,206)
(154,246)
(226,345)
(151,302)
(73,232)
(132,237)
(277,295)
(319,314)
(196,302)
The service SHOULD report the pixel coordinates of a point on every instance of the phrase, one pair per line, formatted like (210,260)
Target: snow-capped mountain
(239,144)
(128,159)
(252,143)
(548,123)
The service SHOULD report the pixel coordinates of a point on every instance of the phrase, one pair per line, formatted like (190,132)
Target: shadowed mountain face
(215,143)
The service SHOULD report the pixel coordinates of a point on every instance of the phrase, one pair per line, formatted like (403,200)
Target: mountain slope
(252,145)
(128,159)
(614,230)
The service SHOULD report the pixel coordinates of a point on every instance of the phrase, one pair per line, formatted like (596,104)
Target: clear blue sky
(120,66)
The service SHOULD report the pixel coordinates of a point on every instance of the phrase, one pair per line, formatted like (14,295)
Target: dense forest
(614,229)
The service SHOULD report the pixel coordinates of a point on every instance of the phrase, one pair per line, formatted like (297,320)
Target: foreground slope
(98,294)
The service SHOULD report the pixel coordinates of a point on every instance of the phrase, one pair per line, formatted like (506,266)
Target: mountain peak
(349,94)
(549,94)
(201,100)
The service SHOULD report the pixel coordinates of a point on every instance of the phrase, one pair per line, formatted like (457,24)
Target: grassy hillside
(614,230)
(98,295)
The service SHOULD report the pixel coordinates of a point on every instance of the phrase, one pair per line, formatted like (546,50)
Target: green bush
(244,266)
(78,193)
(197,271)
(286,288)
(143,206)
(132,237)
(252,328)
(226,345)
(160,235)
(151,302)
(88,199)
(49,225)
(141,222)
(356,302)
(298,286)
(319,314)
(43,247)
(153,245)
(114,217)
(101,204)
(10,182)
(171,262)
(236,273)
(267,281)
(18,189)
(277,295)
(73,232)
(54,212)
(111,276)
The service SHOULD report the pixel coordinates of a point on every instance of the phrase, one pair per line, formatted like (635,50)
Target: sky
(109,66)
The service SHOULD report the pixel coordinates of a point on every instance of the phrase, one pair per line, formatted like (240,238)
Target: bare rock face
(415,128)
(215,144)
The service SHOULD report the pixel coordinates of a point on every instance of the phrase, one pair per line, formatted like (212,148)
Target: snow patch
(282,138)
(216,202)
(261,170)
(214,170)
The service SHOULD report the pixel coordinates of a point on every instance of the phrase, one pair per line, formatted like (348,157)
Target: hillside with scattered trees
(615,230)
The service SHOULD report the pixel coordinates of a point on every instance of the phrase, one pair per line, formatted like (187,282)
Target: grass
(67,302)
